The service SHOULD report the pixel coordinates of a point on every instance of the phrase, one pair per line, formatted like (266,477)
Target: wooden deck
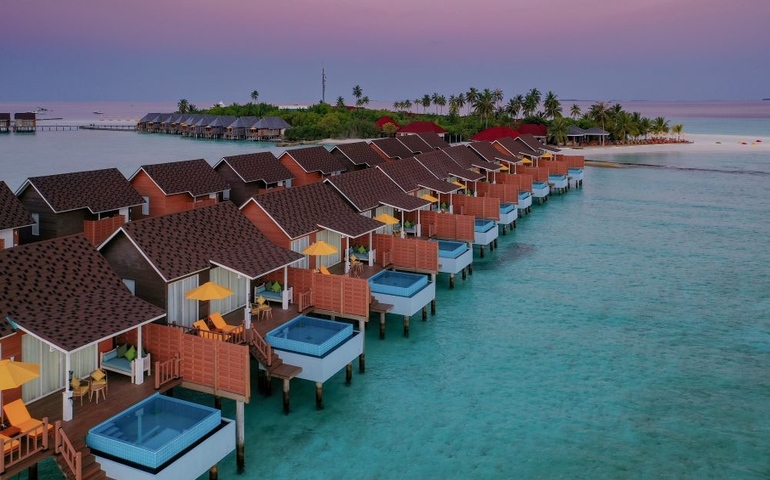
(121,395)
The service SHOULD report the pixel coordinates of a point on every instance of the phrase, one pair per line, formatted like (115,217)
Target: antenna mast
(323,86)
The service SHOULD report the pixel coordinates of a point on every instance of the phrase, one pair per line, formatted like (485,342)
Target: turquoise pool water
(482,225)
(403,284)
(450,249)
(309,335)
(153,431)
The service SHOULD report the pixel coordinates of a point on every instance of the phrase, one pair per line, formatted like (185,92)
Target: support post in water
(240,436)
(214,472)
(406,326)
(433,307)
(319,396)
(348,373)
(481,251)
(286,396)
(452,280)
(424,313)
(217,402)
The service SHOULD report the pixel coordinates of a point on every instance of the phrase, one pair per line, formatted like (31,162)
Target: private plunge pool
(449,249)
(157,433)
(309,335)
(400,284)
(483,225)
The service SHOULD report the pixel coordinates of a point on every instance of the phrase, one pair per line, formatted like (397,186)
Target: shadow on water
(685,169)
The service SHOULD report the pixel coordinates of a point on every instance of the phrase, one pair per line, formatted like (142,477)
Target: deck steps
(277,368)
(91,469)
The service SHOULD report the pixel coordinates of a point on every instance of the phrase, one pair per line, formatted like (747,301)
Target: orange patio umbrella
(208,291)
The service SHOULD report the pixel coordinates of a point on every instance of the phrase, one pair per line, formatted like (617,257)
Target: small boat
(98,112)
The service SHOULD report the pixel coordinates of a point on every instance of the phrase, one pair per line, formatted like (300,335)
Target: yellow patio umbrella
(429,198)
(386,219)
(208,291)
(319,248)
(459,184)
(526,161)
(547,155)
(15,374)
(504,168)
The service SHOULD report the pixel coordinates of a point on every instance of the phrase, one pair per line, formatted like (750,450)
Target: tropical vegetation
(468,113)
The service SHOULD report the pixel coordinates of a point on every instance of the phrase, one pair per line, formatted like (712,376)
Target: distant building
(25,122)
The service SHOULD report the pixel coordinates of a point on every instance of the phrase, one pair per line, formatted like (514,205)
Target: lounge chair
(9,445)
(205,332)
(18,416)
(220,324)
(79,389)
(324,270)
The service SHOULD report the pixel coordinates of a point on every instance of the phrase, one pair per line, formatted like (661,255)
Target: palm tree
(363,101)
(623,126)
(660,126)
(441,102)
(531,101)
(434,99)
(460,101)
(472,97)
(678,129)
(557,131)
(407,104)
(575,111)
(357,92)
(255,96)
(513,108)
(340,102)
(454,106)
(645,127)
(599,112)
(417,102)
(552,105)
(183,106)
(497,95)
(485,106)
(425,102)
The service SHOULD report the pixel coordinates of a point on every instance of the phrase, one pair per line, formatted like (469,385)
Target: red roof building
(421,127)
(540,131)
(382,121)
(494,133)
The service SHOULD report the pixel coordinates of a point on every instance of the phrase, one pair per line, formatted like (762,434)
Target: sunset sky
(207,51)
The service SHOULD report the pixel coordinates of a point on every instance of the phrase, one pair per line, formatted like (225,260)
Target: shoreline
(700,143)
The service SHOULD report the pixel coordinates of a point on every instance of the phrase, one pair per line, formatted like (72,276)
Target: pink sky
(210,50)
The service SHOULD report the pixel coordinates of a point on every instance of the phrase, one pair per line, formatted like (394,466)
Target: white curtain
(335,240)
(234,282)
(181,310)
(84,361)
(297,246)
(51,363)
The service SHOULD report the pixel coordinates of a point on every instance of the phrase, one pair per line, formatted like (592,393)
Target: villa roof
(597,131)
(369,188)
(465,157)
(299,211)
(433,139)
(493,133)
(150,117)
(65,293)
(195,177)
(489,153)
(575,131)
(392,148)
(217,234)
(272,123)
(222,121)
(534,144)
(382,121)
(252,167)
(415,143)
(12,211)
(440,164)
(24,116)
(513,147)
(96,190)
(411,175)
(5,116)
(359,153)
(421,126)
(316,159)
(533,129)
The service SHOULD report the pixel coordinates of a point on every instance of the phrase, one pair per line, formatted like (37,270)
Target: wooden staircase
(264,353)
(90,468)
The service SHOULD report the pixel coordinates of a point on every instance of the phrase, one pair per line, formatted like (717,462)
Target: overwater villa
(95,202)
(250,174)
(13,217)
(507,162)
(175,187)
(311,164)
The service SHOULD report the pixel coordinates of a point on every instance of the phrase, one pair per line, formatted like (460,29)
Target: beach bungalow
(296,217)
(162,258)
(421,126)
(96,202)
(200,127)
(146,123)
(390,148)
(575,135)
(268,128)
(311,164)
(250,174)
(415,144)
(488,152)
(69,314)
(452,174)
(240,129)
(467,159)
(176,186)
(218,127)
(356,155)
(24,122)
(5,122)
(13,217)
(493,133)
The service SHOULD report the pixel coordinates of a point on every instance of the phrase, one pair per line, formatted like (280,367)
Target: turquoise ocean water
(621,331)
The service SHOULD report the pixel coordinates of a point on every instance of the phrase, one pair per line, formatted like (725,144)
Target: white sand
(701,143)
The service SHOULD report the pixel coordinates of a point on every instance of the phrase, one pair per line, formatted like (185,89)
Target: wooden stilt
(495,241)
(424,313)
(382,326)
(433,307)
(514,225)
(362,363)
(286,396)
(470,269)
(481,252)
(32,472)
(451,281)
(240,436)
(319,396)
(217,402)
(406,326)
(464,274)
(504,229)
(268,383)
(348,373)
(214,472)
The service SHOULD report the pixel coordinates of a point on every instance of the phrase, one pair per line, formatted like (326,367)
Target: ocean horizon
(621,331)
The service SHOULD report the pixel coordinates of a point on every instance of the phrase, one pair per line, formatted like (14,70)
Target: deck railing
(304,300)
(167,371)
(72,457)
(24,445)
(264,348)
(386,260)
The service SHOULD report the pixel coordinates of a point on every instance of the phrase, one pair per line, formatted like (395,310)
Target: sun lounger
(18,416)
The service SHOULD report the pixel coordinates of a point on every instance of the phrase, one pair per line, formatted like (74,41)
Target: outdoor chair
(324,270)
(205,332)
(356,266)
(79,389)
(220,324)
(9,445)
(18,416)
(263,308)
(97,384)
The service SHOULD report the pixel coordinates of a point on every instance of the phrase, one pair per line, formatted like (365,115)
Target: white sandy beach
(700,143)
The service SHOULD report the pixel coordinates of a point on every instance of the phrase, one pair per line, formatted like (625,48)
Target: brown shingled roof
(443,167)
(299,211)
(359,153)
(370,188)
(392,147)
(411,175)
(264,166)
(12,212)
(414,143)
(489,153)
(64,292)
(96,190)
(183,243)
(316,159)
(514,147)
(465,157)
(434,140)
(195,177)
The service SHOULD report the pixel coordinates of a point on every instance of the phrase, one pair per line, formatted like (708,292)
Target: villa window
(36,225)
(146,205)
